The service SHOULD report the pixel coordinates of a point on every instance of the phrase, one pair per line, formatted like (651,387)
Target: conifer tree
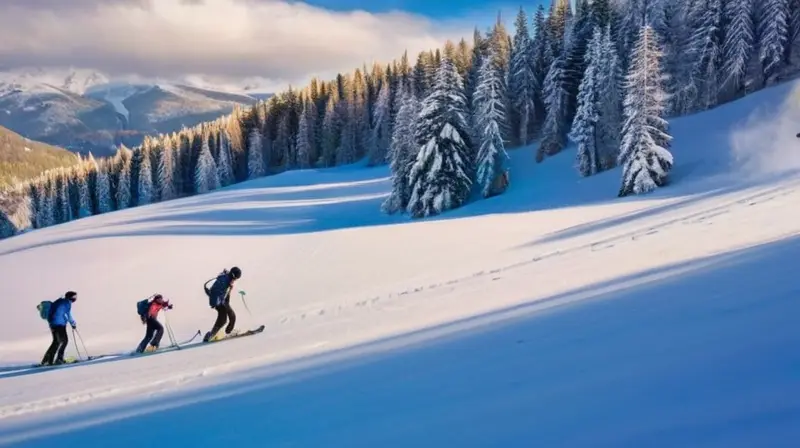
(492,160)
(644,155)
(84,195)
(225,162)
(381,127)
(587,118)
(610,85)
(145,182)
(706,50)
(205,175)
(103,190)
(737,48)
(522,83)
(541,59)
(556,98)
(440,178)
(255,158)
(304,140)
(166,171)
(773,33)
(403,150)
(123,195)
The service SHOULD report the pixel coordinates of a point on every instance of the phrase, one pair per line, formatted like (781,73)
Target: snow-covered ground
(553,315)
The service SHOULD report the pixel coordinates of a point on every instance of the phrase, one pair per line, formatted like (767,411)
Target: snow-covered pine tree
(166,171)
(610,84)
(103,189)
(522,83)
(205,174)
(36,193)
(84,195)
(737,48)
(403,150)
(440,178)
(225,160)
(582,28)
(587,117)
(556,99)
(378,151)
(63,206)
(773,35)
(304,139)
(645,154)
(255,157)
(492,159)
(123,195)
(145,186)
(330,132)
(47,210)
(541,59)
(705,49)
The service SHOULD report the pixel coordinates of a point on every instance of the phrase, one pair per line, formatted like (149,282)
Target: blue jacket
(61,313)
(219,292)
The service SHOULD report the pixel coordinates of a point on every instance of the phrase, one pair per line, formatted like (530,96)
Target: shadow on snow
(701,353)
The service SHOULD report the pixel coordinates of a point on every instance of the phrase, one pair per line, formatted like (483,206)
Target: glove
(169,307)
(74,327)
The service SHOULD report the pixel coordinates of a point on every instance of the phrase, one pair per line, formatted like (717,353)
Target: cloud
(214,40)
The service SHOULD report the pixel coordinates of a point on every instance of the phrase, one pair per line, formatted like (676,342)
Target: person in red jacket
(154,328)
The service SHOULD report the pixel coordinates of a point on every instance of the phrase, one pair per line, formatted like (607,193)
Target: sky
(267,44)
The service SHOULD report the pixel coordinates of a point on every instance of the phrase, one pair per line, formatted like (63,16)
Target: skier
(60,314)
(154,330)
(219,298)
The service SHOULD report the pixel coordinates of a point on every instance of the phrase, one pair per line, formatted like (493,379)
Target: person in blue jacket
(60,315)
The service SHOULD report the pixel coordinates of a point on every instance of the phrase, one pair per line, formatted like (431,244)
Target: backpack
(44,309)
(214,291)
(142,307)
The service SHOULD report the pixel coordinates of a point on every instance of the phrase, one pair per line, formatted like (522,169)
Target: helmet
(236,273)
(71,296)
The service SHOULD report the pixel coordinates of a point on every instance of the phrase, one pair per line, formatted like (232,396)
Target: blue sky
(435,9)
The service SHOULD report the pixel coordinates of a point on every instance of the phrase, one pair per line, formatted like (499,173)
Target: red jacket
(157,305)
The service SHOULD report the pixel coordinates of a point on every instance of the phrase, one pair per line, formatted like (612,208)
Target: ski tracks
(702,213)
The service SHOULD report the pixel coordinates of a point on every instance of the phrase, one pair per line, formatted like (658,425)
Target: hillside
(23,158)
(84,111)
(571,318)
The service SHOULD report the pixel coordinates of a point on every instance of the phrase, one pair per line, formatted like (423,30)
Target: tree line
(605,76)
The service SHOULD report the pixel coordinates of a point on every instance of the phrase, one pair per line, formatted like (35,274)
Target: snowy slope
(554,315)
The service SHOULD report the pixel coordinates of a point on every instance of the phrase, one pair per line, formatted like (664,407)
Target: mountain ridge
(87,111)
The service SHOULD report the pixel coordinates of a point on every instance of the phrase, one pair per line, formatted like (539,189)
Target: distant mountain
(24,159)
(84,110)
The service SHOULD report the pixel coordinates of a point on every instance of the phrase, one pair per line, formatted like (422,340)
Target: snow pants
(59,344)
(224,313)
(153,334)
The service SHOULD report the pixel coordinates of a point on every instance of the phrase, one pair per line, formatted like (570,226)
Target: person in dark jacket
(219,298)
(154,330)
(60,314)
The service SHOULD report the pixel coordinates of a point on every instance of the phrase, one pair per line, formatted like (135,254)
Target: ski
(168,348)
(68,363)
(236,335)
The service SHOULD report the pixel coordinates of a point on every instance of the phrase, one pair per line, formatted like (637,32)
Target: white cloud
(214,41)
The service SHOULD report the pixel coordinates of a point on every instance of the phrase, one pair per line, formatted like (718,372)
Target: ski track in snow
(544,259)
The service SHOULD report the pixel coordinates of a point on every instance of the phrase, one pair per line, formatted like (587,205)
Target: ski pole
(242,293)
(85,350)
(75,340)
(169,329)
